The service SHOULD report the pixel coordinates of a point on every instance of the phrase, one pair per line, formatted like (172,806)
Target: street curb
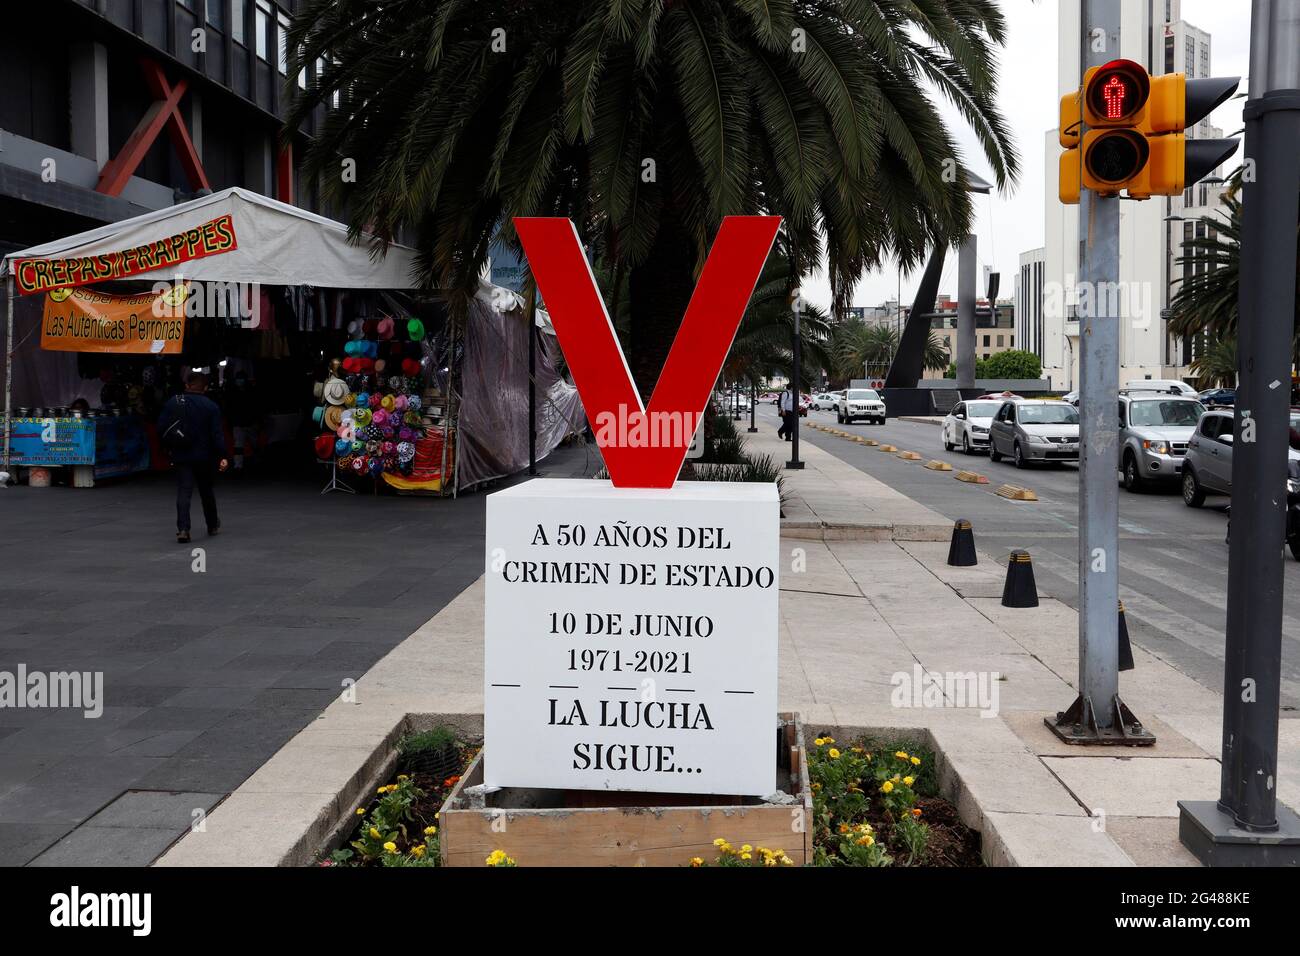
(919,420)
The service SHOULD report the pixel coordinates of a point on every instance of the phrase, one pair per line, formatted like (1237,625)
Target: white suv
(861,403)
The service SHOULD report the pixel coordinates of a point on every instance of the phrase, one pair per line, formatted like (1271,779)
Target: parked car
(1161,385)
(805,403)
(1207,468)
(1072,398)
(1034,430)
(1001,396)
(1219,397)
(858,403)
(825,401)
(967,426)
(1154,430)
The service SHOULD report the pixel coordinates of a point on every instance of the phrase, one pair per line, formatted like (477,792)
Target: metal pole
(1098,715)
(1252,671)
(794,463)
(753,401)
(532,384)
(966,257)
(9,361)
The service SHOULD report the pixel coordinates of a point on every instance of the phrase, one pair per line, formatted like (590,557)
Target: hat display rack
(373,413)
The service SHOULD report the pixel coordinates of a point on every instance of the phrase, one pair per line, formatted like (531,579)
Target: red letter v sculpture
(647,445)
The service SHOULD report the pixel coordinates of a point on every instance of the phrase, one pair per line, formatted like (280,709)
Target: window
(1210,425)
(262,29)
(282,36)
(999,341)
(215,12)
(238,19)
(986,341)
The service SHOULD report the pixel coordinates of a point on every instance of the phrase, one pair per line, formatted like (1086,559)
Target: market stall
(113,318)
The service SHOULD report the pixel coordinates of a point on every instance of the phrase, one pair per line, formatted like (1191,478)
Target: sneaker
(212,532)
(182,537)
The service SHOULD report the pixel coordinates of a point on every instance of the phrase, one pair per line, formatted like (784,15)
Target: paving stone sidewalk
(205,675)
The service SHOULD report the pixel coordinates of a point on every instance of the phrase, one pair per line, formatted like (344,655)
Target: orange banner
(82,320)
(43,275)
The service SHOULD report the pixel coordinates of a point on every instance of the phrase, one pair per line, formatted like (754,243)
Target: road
(1173,559)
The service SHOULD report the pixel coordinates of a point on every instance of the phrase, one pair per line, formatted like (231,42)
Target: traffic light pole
(966,261)
(1246,826)
(1098,716)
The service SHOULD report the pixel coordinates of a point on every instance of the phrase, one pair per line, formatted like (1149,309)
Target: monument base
(623,828)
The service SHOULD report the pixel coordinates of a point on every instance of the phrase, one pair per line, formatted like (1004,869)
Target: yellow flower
(867,840)
(361,811)
(418,851)
(746,849)
(916,761)
(719,843)
(835,754)
(820,741)
(430,831)
(895,778)
(696,861)
(887,787)
(769,861)
(746,856)
(786,861)
(499,858)
(908,780)
(829,740)
(401,776)
(374,833)
(844,828)
(901,754)
(381,791)
(390,847)
(816,786)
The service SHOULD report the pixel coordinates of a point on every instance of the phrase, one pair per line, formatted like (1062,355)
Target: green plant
(1013,363)
(499,860)
(433,740)
(744,855)
(387,823)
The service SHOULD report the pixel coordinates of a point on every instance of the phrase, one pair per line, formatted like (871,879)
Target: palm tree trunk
(659,291)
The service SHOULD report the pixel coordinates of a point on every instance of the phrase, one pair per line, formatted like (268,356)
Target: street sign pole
(794,464)
(1246,826)
(966,262)
(1098,716)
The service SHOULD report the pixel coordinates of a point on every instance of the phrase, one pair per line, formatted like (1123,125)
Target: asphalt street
(1173,559)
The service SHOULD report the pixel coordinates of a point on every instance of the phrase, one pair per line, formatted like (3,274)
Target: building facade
(1152,233)
(113,108)
(1029,318)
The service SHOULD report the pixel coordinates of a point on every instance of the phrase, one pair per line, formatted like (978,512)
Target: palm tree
(1217,365)
(765,340)
(936,354)
(864,349)
(646,122)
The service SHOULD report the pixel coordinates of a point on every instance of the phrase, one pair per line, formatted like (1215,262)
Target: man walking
(786,430)
(190,431)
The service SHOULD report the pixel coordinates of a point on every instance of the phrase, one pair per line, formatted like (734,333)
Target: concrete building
(1029,318)
(113,108)
(994,328)
(1151,232)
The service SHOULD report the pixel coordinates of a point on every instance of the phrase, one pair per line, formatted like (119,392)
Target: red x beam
(164,111)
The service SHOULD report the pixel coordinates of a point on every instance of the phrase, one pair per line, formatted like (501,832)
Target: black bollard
(1125,648)
(1020,590)
(961,552)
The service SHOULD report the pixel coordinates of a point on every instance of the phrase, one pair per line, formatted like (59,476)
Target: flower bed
(399,827)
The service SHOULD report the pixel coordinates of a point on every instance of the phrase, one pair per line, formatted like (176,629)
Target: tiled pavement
(206,674)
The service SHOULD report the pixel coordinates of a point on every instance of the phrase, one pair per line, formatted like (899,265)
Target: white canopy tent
(276,244)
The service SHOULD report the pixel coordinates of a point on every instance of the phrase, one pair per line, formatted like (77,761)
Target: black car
(1219,398)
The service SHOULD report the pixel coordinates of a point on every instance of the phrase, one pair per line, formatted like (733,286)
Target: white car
(860,403)
(825,401)
(1161,385)
(967,426)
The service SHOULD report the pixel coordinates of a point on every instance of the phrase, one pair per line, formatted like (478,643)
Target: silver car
(1034,430)
(1154,431)
(1207,469)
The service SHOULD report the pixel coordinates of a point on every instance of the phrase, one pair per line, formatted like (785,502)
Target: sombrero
(324,446)
(318,414)
(333,417)
(342,447)
(415,329)
(385,328)
(379,417)
(335,391)
(362,417)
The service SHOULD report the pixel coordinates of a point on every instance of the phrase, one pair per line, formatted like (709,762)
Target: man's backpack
(176,437)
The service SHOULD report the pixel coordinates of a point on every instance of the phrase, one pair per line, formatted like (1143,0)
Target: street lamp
(794,464)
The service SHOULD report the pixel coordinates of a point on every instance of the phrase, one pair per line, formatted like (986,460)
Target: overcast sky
(1007,225)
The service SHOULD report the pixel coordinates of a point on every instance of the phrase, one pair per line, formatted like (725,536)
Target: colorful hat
(318,414)
(352,347)
(415,329)
(399,403)
(358,446)
(356,328)
(333,417)
(335,391)
(376,467)
(413,402)
(359,464)
(324,446)
(347,431)
(363,399)
(361,416)
(376,401)
(389,448)
(405,434)
(342,447)
(385,328)
(380,365)
(379,417)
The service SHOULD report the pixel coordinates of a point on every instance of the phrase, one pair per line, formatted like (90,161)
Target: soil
(952,843)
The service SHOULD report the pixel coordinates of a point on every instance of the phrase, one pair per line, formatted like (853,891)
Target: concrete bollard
(1125,646)
(1019,589)
(961,550)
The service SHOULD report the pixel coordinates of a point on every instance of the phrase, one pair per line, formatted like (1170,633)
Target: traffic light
(1122,132)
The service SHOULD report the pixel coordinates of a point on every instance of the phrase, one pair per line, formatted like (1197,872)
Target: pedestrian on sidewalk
(190,430)
(245,415)
(786,430)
